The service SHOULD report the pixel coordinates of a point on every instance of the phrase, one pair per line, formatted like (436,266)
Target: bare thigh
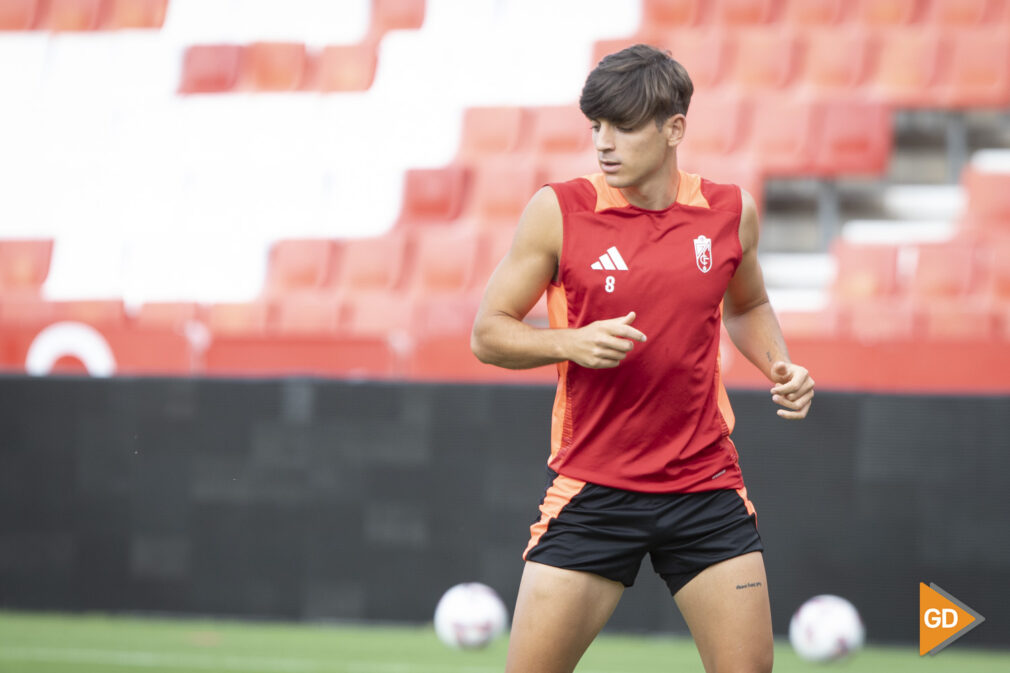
(727,610)
(558,613)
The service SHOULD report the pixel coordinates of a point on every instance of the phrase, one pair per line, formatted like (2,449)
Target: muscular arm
(499,335)
(755,330)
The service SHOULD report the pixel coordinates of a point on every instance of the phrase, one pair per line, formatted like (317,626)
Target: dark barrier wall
(310,499)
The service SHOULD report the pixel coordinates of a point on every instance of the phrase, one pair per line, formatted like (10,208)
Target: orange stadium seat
(784,135)
(835,60)
(238,318)
(945,270)
(717,123)
(766,58)
(445,314)
(274,66)
(501,190)
(211,68)
(746,12)
(18,14)
(396,15)
(24,265)
(300,265)
(372,264)
(707,54)
(492,131)
(864,272)
(979,68)
(346,67)
(884,13)
(562,167)
(74,15)
(907,73)
(561,129)
(136,14)
(444,260)
(855,137)
(988,196)
(950,13)
(434,195)
(663,14)
(812,13)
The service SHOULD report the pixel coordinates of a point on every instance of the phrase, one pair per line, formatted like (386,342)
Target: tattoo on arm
(749,585)
(768,354)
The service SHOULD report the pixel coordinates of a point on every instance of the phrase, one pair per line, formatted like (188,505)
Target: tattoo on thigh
(749,585)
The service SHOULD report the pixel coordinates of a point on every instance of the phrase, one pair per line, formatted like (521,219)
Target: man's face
(629,156)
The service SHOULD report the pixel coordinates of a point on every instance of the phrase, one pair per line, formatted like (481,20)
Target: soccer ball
(826,628)
(469,616)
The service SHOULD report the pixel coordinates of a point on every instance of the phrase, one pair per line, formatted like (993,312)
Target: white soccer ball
(469,616)
(826,628)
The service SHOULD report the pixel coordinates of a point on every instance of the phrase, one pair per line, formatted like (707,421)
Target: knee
(758,662)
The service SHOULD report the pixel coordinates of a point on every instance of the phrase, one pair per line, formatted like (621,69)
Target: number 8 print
(609,286)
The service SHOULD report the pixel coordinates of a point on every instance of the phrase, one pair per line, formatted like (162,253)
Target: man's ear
(674,128)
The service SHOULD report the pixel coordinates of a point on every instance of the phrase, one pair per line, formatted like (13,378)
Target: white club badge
(703,253)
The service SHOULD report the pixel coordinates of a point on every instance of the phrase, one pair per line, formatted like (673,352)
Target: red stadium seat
(961,13)
(492,131)
(811,13)
(346,356)
(766,59)
(884,13)
(445,314)
(168,316)
(988,196)
(563,167)
(979,68)
(855,137)
(74,15)
(823,324)
(864,272)
(377,312)
(994,255)
(783,136)
(346,67)
(717,123)
(836,60)
(959,321)
(372,264)
(561,129)
(18,14)
(663,14)
(24,265)
(238,318)
(444,260)
(133,14)
(274,66)
(501,189)
(876,321)
(211,68)
(908,68)
(303,314)
(396,15)
(300,265)
(434,194)
(746,12)
(735,169)
(945,270)
(707,54)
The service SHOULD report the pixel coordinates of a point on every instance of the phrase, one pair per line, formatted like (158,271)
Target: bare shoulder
(540,225)
(749,225)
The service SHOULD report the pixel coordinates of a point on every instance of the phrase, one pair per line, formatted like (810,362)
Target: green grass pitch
(51,643)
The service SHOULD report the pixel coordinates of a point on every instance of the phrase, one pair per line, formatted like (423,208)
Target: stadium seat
(988,195)
(396,15)
(371,264)
(211,68)
(875,321)
(443,260)
(133,14)
(349,67)
(864,272)
(737,169)
(168,316)
(73,15)
(978,60)
(908,68)
(18,14)
(561,129)
(445,314)
(274,66)
(304,314)
(707,54)
(959,321)
(501,190)
(346,356)
(664,14)
(746,12)
(717,123)
(766,59)
(822,324)
(783,136)
(885,13)
(377,313)
(964,13)
(492,131)
(835,60)
(945,271)
(434,195)
(297,265)
(812,13)
(563,167)
(238,318)
(24,265)
(854,137)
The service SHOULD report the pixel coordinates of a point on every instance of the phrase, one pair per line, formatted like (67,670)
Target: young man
(640,263)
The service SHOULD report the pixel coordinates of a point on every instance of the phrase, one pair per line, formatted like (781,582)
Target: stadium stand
(381,174)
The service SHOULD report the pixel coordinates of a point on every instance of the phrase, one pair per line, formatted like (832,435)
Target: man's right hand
(605,343)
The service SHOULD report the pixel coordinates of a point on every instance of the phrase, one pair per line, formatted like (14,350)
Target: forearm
(756,333)
(505,341)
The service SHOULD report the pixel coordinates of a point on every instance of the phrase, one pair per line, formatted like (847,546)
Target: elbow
(479,347)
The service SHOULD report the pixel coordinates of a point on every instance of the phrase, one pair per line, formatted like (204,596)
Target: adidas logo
(611,260)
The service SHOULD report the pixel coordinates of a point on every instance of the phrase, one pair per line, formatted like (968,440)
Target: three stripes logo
(611,260)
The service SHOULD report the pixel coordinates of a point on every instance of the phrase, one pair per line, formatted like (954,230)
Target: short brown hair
(636,84)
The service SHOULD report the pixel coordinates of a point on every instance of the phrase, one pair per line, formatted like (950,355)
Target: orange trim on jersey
(742,492)
(557,497)
(688,192)
(557,316)
(722,397)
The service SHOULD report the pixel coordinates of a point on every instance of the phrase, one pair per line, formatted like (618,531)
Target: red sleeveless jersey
(660,421)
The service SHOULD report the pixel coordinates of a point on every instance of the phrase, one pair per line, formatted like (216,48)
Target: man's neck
(657,192)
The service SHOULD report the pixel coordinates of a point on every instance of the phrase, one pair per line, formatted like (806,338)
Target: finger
(628,319)
(780,372)
(793,415)
(794,404)
(630,333)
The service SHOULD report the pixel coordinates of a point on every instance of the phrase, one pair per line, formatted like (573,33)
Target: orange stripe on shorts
(559,494)
(742,492)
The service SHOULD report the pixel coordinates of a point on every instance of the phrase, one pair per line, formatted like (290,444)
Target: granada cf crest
(703,253)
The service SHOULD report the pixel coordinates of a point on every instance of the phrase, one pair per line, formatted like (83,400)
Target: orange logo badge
(942,619)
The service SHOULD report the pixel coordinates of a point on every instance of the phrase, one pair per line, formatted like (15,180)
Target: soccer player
(640,263)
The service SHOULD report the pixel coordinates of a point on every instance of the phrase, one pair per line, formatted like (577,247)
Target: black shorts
(608,531)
